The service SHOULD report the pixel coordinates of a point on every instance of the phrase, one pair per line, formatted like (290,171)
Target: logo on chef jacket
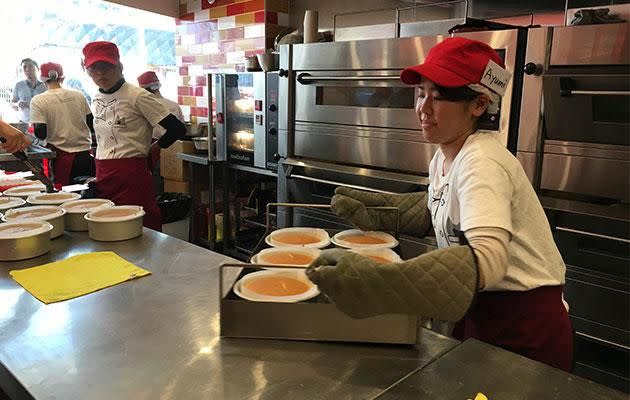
(495,78)
(120,122)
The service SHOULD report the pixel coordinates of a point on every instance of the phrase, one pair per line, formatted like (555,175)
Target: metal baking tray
(315,319)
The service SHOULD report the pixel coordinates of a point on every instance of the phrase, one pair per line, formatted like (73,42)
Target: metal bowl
(76,210)
(26,244)
(105,226)
(201,143)
(55,216)
(269,61)
(251,64)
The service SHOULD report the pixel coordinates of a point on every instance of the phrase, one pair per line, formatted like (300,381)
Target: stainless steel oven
(245,118)
(586,94)
(346,119)
(346,104)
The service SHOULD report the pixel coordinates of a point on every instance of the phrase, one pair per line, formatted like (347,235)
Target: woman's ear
(479,105)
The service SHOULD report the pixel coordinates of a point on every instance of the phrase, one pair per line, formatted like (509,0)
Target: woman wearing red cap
(497,270)
(63,118)
(124,118)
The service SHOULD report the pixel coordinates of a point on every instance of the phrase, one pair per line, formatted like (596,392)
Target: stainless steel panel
(312,321)
(158,338)
(260,125)
(529,161)
(362,54)
(377,31)
(590,45)
(286,102)
(428,28)
(219,129)
(613,152)
(530,119)
(375,174)
(354,146)
(590,176)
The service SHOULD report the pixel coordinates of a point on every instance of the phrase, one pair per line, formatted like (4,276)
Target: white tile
(253,31)
(195,49)
(202,101)
(202,15)
(235,57)
(195,70)
(226,22)
(187,40)
(210,48)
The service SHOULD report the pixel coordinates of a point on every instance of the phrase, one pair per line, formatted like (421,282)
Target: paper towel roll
(310,26)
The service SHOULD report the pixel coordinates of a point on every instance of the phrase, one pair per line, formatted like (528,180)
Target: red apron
(127,181)
(534,324)
(62,167)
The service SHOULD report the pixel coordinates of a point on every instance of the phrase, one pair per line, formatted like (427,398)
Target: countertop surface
(474,367)
(157,337)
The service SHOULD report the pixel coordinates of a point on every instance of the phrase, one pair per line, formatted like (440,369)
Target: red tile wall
(216,38)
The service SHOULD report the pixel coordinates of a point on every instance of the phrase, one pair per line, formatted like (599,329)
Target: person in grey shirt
(25,90)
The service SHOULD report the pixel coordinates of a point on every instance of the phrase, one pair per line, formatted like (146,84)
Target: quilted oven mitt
(440,284)
(351,204)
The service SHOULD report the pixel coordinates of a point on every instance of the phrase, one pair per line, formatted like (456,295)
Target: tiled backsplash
(216,38)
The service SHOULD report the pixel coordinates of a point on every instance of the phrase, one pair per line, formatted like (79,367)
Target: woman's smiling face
(445,121)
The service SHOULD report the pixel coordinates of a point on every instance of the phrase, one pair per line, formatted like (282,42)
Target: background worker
(124,118)
(63,118)
(25,90)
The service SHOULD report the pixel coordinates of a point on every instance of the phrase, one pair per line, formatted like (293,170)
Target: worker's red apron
(62,167)
(533,323)
(127,181)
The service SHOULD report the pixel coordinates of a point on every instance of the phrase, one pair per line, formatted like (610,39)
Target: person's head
(101,60)
(149,81)
(458,82)
(29,67)
(51,74)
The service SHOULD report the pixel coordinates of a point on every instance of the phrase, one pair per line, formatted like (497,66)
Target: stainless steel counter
(158,338)
(33,152)
(474,367)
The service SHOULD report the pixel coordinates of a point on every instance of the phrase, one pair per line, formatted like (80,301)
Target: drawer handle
(597,235)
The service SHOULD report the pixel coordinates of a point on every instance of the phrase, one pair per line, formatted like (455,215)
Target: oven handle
(306,78)
(567,84)
(335,183)
(599,92)
(597,235)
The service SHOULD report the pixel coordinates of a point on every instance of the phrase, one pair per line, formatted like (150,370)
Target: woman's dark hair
(29,60)
(462,93)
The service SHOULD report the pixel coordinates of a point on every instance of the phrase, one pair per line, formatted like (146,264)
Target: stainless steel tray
(316,319)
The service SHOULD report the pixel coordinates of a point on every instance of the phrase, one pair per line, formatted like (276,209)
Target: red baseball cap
(100,51)
(148,79)
(454,62)
(51,70)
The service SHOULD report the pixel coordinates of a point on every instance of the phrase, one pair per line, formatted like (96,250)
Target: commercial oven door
(588,108)
(358,98)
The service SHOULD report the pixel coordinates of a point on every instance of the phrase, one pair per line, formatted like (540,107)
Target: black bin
(174,206)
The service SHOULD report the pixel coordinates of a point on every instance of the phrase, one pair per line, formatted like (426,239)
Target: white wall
(165,7)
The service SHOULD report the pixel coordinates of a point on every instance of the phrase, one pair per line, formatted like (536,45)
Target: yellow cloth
(76,276)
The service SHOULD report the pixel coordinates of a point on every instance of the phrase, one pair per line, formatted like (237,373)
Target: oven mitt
(439,284)
(351,204)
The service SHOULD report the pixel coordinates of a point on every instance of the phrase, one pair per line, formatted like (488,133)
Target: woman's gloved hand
(352,204)
(439,284)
